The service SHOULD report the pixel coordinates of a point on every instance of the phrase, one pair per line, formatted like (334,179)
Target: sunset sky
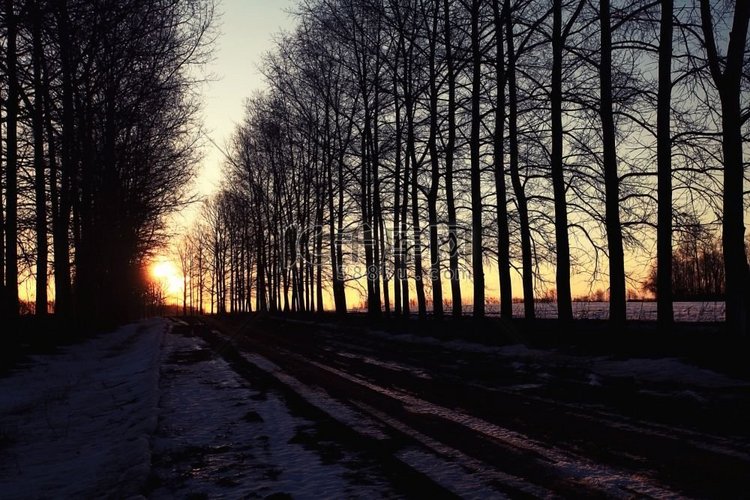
(246,32)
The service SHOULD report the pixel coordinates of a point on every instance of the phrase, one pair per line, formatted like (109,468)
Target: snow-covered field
(701,312)
(639,311)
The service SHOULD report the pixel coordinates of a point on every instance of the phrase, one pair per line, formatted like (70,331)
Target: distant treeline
(698,267)
(99,136)
(404,145)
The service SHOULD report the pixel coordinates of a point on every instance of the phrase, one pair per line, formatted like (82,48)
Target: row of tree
(698,270)
(404,145)
(99,134)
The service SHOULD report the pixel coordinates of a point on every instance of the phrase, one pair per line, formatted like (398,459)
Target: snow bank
(77,424)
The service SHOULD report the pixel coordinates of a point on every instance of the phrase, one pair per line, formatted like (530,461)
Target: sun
(166,273)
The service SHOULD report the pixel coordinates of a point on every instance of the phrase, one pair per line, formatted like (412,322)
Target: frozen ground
(275,408)
(146,410)
(218,437)
(517,421)
(518,356)
(77,424)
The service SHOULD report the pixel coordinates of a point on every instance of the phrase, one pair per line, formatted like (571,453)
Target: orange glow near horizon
(165,272)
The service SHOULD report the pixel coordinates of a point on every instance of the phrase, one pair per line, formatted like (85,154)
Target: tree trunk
(200,278)
(435,278)
(515,175)
(341,296)
(406,306)
(665,313)
(371,272)
(11,167)
(380,225)
(318,254)
(377,211)
(476,180)
(611,180)
(61,217)
(564,304)
(397,236)
(501,195)
(338,299)
(729,85)
(450,148)
(260,288)
(411,167)
(3,302)
(417,230)
(40,183)
(735,258)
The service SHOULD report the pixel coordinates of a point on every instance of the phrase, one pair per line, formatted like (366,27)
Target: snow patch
(452,469)
(218,437)
(321,400)
(663,370)
(660,370)
(609,480)
(76,424)
(450,476)
(388,365)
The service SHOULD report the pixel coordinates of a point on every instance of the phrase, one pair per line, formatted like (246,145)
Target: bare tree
(476,189)
(11,165)
(664,158)
(727,82)
(562,242)
(611,179)
(501,195)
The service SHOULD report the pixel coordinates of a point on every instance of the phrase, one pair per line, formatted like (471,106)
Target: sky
(246,30)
